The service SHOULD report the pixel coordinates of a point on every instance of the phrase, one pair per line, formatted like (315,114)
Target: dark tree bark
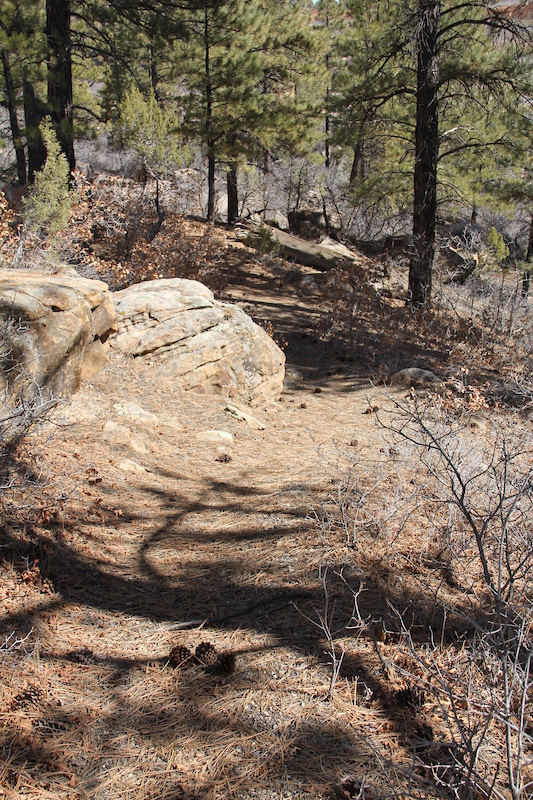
(209,122)
(327,133)
(13,121)
(233,197)
(154,77)
(358,164)
(526,278)
(60,74)
(34,113)
(160,215)
(426,153)
(210,185)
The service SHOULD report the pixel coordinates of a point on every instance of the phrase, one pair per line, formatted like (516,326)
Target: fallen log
(322,257)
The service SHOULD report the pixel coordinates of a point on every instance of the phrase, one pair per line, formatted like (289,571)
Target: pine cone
(31,695)
(225,663)
(179,655)
(206,654)
(410,696)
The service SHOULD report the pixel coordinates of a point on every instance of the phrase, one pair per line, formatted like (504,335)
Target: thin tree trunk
(209,123)
(358,161)
(60,74)
(152,70)
(526,278)
(160,215)
(426,153)
(327,154)
(34,112)
(233,196)
(210,187)
(12,108)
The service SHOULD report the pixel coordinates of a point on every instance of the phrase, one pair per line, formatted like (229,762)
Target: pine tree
(372,105)
(240,66)
(329,18)
(460,52)
(153,132)
(59,64)
(23,51)
(49,202)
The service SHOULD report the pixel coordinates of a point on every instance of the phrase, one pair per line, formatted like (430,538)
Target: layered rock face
(200,343)
(54,331)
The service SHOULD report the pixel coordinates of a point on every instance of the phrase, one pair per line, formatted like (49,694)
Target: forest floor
(135,544)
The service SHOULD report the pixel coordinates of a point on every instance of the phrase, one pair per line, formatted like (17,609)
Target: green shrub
(261,239)
(49,201)
(496,245)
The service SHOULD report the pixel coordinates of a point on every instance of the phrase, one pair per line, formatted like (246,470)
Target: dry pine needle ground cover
(185,617)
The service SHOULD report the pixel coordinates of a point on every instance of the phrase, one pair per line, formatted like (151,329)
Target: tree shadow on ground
(226,579)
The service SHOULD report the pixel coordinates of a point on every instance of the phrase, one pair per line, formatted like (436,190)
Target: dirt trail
(161,526)
(223,520)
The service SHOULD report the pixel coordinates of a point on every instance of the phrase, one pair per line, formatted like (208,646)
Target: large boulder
(54,331)
(460,264)
(200,343)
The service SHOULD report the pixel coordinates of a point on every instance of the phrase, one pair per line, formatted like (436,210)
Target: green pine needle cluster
(152,132)
(48,205)
(496,245)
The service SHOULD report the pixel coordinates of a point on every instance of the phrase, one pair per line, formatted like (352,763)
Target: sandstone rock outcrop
(200,343)
(54,330)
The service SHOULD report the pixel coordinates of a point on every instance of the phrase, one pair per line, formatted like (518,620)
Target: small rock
(245,416)
(309,287)
(224,458)
(127,465)
(278,220)
(138,447)
(415,377)
(115,429)
(136,413)
(293,378)
(214,436)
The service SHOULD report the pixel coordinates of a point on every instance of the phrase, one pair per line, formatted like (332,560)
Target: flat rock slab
(200,343)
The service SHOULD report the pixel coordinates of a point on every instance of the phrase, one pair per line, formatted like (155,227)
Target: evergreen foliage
(49,201)
(153,132)
(413,98)
(496,245)
(245,75)
(254,81)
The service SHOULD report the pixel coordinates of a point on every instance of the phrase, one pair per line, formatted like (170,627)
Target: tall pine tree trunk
(60,74)
(358,164)
(209,123)
(526,278)
(13,121)
(152,71)
(426,153)
(233,196)
(210,186)
(34,112)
